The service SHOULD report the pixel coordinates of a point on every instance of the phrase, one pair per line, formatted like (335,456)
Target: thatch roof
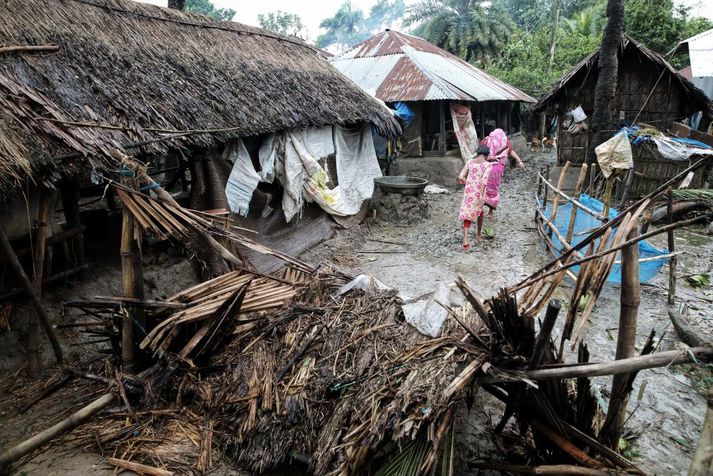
(573,78)
(152,70)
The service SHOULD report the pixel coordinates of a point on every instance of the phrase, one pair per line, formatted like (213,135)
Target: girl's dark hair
(483,150)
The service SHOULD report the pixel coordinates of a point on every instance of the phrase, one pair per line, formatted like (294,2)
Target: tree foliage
(283,23)
(475,30)
(206,7)
(350,26)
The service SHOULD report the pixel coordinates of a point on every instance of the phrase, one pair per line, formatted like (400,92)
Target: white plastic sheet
(673,150)
(243,178)
(428,317)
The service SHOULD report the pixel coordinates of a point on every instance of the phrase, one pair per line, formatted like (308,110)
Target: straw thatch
(150,71)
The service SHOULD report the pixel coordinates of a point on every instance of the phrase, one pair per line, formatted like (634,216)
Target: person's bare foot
(479,236)
(466,246)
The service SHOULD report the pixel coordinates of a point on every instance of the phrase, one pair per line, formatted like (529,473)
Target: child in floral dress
(474,176)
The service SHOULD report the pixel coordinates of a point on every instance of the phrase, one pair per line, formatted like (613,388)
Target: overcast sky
(313,12)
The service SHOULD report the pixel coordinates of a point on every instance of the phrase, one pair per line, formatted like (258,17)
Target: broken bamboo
(623,366)
(626,341)
(672,249)
(577,194)
(43,437)
(34,298)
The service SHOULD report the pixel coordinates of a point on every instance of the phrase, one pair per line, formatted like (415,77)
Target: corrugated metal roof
(401,67)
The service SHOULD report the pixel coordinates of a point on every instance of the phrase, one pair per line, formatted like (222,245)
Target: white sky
(313,12)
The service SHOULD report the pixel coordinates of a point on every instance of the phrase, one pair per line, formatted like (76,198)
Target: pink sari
(497,141)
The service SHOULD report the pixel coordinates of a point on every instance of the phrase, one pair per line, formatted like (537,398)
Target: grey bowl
(402,184)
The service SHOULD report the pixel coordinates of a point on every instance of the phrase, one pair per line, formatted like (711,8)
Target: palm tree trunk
(608,69)
(176,4)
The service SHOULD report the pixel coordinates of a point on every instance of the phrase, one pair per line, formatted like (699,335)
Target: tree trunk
(608,70)
(553,37)
(177,4)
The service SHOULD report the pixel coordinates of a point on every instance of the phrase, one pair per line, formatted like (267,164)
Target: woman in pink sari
(500,149)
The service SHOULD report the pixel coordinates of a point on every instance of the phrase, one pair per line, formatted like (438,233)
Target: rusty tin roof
(395,66)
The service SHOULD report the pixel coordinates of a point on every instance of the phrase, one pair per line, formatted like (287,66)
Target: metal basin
(402,184)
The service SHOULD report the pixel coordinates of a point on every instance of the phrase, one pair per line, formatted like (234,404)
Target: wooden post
(556,199)
(616,413)
(33,327)
(442,127)
(70,204)
(671,248)
(702,463)
(482,120)
(577,193)
(34,298)
(132,281)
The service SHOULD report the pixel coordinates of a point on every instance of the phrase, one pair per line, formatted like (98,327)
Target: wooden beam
(442,127)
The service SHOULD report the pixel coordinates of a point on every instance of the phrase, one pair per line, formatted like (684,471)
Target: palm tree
(346,27)
(588,22)
(473,30)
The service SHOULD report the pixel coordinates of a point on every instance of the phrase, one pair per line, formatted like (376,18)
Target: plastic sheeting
(615,154)
(243,178)
(584,222)
(464,129)
(404,113)
(357,166)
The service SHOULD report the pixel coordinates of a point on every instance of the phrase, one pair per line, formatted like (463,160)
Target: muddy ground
(668,412)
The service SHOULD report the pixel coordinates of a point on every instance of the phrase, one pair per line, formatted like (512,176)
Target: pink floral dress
(474,193)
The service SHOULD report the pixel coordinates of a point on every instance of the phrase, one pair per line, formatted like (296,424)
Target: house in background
(650,93)
(396,67)
(649,90)
(700,51)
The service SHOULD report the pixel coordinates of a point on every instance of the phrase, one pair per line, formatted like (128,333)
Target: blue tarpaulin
(404,113)
(584,222)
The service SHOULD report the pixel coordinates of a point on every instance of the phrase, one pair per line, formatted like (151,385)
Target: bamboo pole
(616,413)
(132,281)
(611,223)
(542,275)
(672,249)
(556,200)
(73,420)
(576,203)
(702,463)
(29,49)
(577,194)
(616,367)
(34,297)
(33,328)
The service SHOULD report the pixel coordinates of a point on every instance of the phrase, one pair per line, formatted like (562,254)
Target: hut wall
(651,169)
(637,78)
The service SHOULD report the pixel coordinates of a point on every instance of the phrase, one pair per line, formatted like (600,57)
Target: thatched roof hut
(131,73)
(649,90)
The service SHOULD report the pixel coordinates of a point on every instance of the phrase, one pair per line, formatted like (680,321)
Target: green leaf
(698,280)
